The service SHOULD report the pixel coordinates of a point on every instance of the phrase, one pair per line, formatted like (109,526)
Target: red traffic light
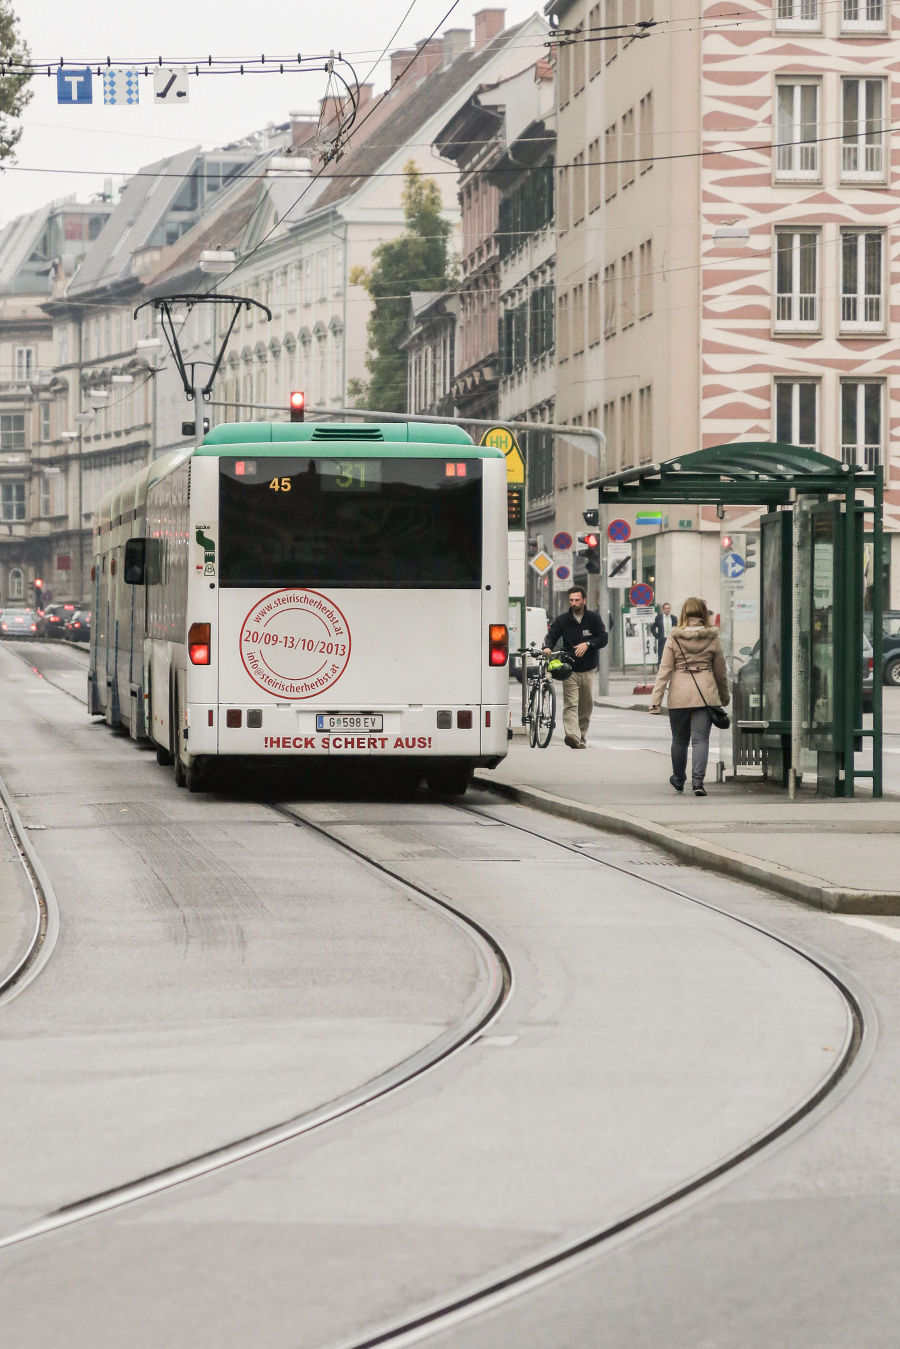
(38,583)
(298,405)
(591,541)
(727,541)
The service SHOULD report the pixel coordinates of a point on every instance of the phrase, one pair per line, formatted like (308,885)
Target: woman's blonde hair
(694,607)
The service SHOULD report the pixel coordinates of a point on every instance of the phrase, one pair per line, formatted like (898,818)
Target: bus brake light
(199,642)
(498,644)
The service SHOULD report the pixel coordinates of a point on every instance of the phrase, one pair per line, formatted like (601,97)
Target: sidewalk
(842,856)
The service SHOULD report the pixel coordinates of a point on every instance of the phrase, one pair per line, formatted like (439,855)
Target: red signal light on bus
(199,642)
(498,644)
(298,405)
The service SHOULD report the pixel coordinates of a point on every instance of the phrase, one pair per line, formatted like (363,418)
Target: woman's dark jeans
(690,726)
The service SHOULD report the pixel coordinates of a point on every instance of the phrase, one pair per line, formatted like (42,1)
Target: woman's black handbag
(717,715)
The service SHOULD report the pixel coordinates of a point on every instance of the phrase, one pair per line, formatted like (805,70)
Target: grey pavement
(838,855)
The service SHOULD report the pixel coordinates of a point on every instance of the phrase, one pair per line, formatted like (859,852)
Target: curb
(769,875)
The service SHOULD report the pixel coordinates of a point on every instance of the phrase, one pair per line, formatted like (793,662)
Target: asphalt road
(222,969)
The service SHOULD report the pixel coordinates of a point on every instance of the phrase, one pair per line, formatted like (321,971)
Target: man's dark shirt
(589,628)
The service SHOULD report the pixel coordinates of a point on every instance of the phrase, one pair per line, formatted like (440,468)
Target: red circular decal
(295,643)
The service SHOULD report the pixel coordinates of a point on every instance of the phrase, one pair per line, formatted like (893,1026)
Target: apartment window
(796,280)
(627,290)
(626,422)
(610,321)
(307,281)
(796,412)
(322,264)
(577,319)
(577,51)
(609,421)
(595,311)
(45,421)
(12,432)
(579,186)
(563,336)
(611,155)
(564,210)
(863,16)
(645,132)
(12,502)
(595,176)
(862,283)
(645,279)
(862,130)
(24,364)
(627,147)
(594,42)
(796,129)
(862,431)
(16,584)
(611,43)
(565,73)
(645,423)
(797,14)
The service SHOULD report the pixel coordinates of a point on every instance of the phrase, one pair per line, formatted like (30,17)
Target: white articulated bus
(300,590)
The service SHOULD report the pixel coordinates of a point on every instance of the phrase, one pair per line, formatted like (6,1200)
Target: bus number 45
(280,485)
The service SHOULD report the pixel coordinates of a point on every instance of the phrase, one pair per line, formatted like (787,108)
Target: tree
(14,91)
(417,260)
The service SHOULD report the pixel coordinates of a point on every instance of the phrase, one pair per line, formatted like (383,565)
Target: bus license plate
(349,721)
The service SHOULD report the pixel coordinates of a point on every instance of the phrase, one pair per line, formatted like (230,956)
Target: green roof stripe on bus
(397,438)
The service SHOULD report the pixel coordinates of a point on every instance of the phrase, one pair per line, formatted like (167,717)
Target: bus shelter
(812,556)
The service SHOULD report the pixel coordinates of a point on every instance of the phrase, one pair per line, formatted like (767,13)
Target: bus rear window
(350,523)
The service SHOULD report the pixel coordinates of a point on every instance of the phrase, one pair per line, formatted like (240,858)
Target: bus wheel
(449,779)
(177,722)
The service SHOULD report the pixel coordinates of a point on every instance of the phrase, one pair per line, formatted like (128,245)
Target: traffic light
(38,592)
(750,551)
(727,543)
(589,549)
(591,518)
(298,405)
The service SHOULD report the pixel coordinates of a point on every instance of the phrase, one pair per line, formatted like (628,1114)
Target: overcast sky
(104,142)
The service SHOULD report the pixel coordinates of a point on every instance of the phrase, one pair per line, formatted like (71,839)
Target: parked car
(18,623)
(52,620)
(747,682)
(78,626)
(890,628)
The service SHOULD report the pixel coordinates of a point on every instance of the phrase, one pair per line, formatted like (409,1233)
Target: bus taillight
(498,644)
(199,640)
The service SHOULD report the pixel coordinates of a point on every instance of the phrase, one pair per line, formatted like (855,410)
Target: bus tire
(177,764)
(449,779)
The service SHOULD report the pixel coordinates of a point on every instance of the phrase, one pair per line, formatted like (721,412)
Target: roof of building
(404,118)
(18,240)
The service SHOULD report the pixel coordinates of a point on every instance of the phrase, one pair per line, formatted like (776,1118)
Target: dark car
(18,623)
(52,622)
(890,655)
(78,626)
(747,689)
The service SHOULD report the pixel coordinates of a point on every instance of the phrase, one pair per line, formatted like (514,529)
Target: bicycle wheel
(533,709)
(546,715)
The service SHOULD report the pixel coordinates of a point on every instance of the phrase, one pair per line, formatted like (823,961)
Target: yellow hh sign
(501,438)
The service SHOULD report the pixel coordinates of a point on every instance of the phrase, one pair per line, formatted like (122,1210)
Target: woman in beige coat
(692,653)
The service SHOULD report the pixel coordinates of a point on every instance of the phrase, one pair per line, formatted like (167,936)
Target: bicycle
(541,706)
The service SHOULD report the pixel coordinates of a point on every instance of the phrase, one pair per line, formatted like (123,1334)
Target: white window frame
(862,308)
(12,502)
(16,584)
(863,156)
(796,159)
(12,433)
(797,16)
(864,451)
(864,16)
(45,425)
(794,430)
(24,365)
(796,310)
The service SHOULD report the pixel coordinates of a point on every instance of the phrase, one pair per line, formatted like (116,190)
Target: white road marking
(892,933)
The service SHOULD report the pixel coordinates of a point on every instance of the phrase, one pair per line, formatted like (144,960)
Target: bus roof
(379,438)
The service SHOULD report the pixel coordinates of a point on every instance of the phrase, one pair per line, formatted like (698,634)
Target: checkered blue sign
(74,84)
(121,86)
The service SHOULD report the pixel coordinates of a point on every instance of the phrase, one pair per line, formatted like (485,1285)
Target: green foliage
(14,91)
(417,260)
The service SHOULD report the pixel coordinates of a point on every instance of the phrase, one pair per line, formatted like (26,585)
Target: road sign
(74,84)
(619,530)
(641,594)
(501,438)
(618,566)
(541,563)
(562,576)
(562,541)
(733,566)
(170,84)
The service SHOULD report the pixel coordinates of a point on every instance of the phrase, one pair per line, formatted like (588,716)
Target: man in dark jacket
(660,628)
(582,634)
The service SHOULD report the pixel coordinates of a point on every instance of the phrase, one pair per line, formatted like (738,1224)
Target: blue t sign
(74,85)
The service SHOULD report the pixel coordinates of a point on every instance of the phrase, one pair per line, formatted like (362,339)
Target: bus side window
(135,562)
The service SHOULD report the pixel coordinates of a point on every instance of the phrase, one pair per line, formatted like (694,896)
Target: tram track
(529,1275)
